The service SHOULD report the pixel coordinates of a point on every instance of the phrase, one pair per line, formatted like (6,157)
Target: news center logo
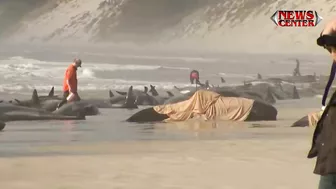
(296,18)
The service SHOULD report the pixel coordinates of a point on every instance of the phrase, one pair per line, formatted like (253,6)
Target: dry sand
(243,164)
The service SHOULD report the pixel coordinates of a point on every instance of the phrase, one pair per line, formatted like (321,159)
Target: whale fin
(170,94)
(52,92)
(207,85)
(259,76)
(1,101)
(269,96)
(222,80)
(130,98)
(17,101)
(111,94)
(145,89)
(130,91)
(295,93)
(122,93)
(2,125)
(153,91)
(303,122)
(35,98)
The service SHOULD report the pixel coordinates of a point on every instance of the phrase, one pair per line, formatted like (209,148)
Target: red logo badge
(296,18)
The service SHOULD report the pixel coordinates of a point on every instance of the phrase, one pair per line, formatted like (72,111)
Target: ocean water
(103,71)
(21,74)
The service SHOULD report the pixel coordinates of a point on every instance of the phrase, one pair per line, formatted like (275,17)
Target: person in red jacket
(70,83)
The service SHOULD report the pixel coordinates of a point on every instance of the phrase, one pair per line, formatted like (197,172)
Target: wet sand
(223,155)
(257,164)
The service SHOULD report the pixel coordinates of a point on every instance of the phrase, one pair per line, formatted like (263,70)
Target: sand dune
(243,26)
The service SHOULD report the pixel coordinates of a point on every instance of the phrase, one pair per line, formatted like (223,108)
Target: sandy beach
(195,155)
(144,43)
(234,164)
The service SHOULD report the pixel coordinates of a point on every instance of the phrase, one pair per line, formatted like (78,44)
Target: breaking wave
(20,66)
(22,74)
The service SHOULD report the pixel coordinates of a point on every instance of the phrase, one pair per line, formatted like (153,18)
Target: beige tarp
(207,105)
(313,118)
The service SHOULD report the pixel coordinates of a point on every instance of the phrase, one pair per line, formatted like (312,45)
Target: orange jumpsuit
(71,75)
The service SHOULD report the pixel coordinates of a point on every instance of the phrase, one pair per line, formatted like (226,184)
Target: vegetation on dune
(136,21)
(12,11)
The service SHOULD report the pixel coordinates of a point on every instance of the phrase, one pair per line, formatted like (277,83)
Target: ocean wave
(22,74)
(233,75)
(186,59)
(252,76)
(173,68)
(152,57)
(24,67)
(278,75)
(15,60)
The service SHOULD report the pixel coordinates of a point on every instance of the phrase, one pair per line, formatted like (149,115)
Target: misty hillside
(235,25)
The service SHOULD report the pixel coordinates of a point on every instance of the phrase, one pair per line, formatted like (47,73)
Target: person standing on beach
(327,40)
(324,141)
(70,83)
(296,71)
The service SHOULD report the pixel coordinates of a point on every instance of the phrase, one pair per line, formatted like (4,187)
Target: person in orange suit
(70,83)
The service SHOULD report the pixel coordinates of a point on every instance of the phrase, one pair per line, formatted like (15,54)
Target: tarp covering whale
(309,120)
(207,105)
